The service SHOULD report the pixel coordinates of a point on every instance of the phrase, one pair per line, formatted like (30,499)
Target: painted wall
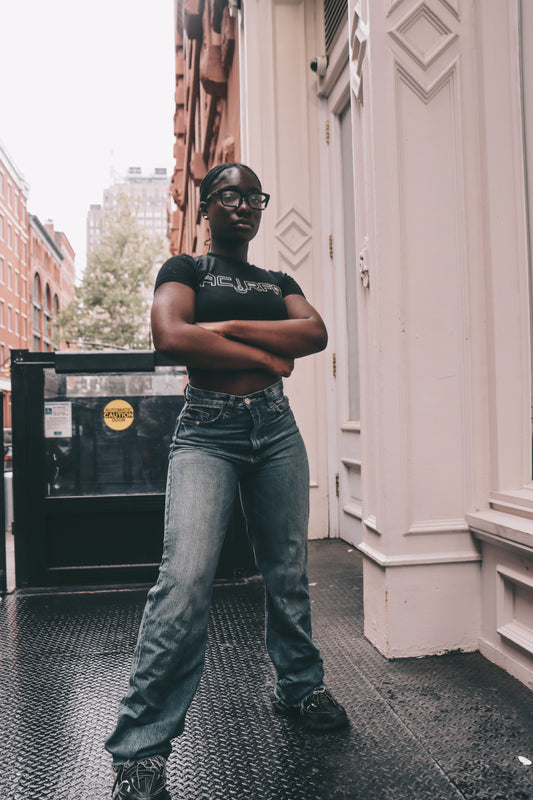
(444,315)
(280,141)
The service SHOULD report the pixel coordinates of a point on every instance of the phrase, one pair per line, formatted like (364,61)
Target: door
(345,440)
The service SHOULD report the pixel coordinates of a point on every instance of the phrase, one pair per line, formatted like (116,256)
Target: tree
(111,305)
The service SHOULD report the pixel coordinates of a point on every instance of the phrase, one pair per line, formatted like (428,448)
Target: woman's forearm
(291,338)
(203,349)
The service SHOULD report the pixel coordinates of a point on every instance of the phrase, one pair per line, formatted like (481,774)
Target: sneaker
(141,780)
(318,712)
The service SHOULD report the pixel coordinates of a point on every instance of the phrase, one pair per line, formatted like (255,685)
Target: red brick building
(207,115)
(36,274)
(52,281)
(14,269)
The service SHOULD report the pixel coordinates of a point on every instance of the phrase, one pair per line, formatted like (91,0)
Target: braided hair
(211,178)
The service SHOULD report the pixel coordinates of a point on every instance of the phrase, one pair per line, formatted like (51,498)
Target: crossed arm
(234,344)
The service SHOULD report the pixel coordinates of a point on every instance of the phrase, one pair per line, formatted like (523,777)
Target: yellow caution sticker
(118,415)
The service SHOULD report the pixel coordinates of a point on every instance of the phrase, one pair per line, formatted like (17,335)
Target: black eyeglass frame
(242,195)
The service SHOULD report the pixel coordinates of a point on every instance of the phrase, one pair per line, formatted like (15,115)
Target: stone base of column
(419,609)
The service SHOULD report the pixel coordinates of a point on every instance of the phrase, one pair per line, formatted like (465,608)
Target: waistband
(271,393)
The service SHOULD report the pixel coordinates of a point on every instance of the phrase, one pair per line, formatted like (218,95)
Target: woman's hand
(281,366)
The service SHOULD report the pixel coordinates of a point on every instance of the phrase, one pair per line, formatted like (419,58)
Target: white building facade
(399,174)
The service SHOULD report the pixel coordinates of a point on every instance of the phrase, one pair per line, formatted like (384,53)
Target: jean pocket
(200,415)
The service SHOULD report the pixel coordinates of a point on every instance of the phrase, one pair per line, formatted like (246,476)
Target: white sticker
(58,420)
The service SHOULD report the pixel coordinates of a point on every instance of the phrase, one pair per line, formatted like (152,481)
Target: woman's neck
(236,253)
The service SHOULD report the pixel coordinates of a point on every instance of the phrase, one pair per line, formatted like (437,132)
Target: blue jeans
(222,444)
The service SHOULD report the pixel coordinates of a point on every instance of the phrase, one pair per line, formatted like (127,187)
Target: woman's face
(236,225)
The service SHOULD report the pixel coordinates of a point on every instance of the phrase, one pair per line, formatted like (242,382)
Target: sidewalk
(444,728)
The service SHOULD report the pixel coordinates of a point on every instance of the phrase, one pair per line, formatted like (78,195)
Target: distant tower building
(151,195)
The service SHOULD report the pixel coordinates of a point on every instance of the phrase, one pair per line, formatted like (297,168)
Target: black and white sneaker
(141,780)
(318,712)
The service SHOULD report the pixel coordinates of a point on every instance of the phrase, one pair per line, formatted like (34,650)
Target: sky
(86,91)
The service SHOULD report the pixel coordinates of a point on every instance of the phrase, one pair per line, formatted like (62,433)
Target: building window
(2,305)
(9,195)
(1,227)
(10,319)
(9,237)
(9,276)
(2,274)
(36,312)
(47,317)
(16,322)
(55,312)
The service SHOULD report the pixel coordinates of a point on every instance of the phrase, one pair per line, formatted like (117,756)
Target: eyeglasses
(232,198)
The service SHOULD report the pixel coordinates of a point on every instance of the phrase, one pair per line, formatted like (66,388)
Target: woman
(238,329)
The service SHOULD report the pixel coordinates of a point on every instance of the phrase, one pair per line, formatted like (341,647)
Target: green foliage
(112,304)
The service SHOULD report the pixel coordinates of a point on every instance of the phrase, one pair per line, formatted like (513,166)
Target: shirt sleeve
(181,269)
(289,286)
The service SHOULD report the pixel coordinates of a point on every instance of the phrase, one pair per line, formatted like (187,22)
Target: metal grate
(439,728)
(335,13)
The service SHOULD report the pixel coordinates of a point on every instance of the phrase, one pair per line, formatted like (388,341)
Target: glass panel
(350,264)
(109,434)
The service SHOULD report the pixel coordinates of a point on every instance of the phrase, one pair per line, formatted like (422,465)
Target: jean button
(247,401)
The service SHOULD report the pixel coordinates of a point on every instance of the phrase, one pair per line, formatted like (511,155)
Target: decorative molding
(427,92)
(438,526)
(451,5)
(371,523)
(353,510)
(358,40)
(417,560)
(352,463)
(511,624)
(393,5)
(351,427)
(423,35)
(293,232)
(503,541)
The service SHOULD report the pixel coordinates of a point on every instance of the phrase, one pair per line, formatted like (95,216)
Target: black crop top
(228,289)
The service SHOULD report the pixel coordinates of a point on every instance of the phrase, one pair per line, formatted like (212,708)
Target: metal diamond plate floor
(442,728)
